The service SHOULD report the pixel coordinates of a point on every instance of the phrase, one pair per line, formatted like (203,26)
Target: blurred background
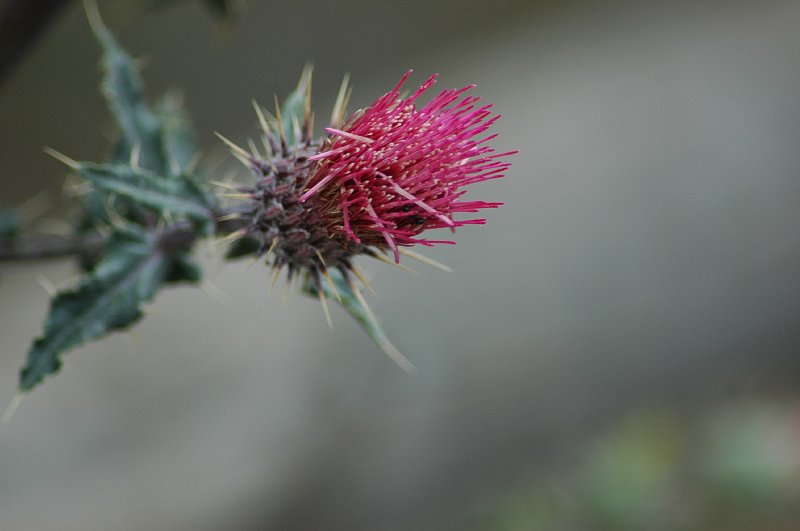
(617,348)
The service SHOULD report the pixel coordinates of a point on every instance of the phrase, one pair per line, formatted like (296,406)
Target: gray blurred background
(617,348)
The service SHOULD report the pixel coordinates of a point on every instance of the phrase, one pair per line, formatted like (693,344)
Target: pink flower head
(373,184)
(395,170)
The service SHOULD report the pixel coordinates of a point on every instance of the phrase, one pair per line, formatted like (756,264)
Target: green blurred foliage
(148,185)
(736,467)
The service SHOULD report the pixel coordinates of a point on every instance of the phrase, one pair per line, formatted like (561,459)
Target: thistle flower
(373,184)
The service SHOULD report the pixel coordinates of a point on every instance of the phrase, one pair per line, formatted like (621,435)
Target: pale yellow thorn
(73,164)
(358,138)
(173,166)
(116,220)
(386,346)
(346,103)
(261,118)
(136,152)
(296,126)
(279,118)
(229,217)
(253,149)
(271,119)
(12,408)
(236,234)
(221,184)
(362,277)
(169,219)
(328,277)
(79,190)
(425,260)
(230,237)
(241,158)
(215,292)
(237,196)
(267,150)
(324,301)
(395,264)
(272,245)
(193,163)
(275,276)
(75,186)
(305,83)
(47,285)
(339,108)
(233,147)
(305,78)
(307,106)
(311,124)
(333,286)
(104,231)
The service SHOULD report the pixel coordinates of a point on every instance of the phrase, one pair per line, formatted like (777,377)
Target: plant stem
(43,246)
(46,246)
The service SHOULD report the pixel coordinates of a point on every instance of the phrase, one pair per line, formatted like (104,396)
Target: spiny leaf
(123,89)
(160,141)
(149,175)
(170,198)
(347,294)
(296,104)
(108,299)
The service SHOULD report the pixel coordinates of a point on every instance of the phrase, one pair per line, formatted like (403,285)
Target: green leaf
(149,175)
(180,144)
(170,198)
(158,143)
(293,110)
(10,223)
(349,296)
(108,299)
(140,129)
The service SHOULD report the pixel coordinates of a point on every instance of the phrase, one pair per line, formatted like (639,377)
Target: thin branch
(43,246)
(21,22)
(47,246)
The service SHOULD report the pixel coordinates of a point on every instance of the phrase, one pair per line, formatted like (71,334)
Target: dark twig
(21,22)
(42,246)
(45,246)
